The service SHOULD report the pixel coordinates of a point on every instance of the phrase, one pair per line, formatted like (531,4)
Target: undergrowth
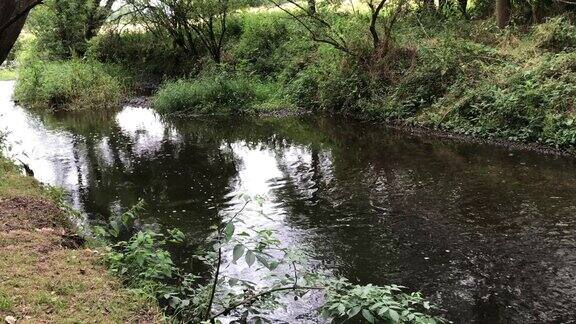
(69,85)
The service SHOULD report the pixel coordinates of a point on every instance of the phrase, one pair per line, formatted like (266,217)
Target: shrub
(260,46)
(517,103)
(215,95)
(72,85)
(556,35)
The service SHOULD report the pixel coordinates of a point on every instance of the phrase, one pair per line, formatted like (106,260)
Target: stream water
(487,233)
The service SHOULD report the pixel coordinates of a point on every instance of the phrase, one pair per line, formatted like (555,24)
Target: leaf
(229,231)
(368,315)
(232,281)
(394,316)
(354,311)
(272,265)
(263,260)
(238,252)
(250,258)
(426,305)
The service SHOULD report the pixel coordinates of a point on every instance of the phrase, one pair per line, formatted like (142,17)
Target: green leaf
(263,261)
(368,315)
(238,252)
(394,316)
(229,231)
(250,258)
(354,311)
(232,281)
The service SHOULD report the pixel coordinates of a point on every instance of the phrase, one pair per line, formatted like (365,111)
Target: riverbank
(465,78)
(46,274)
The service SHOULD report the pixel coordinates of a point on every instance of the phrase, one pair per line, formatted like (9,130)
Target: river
(487,233)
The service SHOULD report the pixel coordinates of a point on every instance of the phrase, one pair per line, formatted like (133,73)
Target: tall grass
(70,85)
(220,94)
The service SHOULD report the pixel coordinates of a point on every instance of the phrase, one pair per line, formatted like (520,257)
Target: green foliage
(557,34)
(142,260)
(71,85)
(531,104)
(60,27)
(262,44)
(144,263)
(143,54)
(374,304)
(219,94)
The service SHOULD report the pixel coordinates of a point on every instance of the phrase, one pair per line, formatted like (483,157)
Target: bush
(556,35)
(216,95)
(523,104)
(72,85)
(260,46)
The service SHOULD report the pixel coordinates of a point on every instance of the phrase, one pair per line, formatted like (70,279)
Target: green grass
(70,85)
(220,95)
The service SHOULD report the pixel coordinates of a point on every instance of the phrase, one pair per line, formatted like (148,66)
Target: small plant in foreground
(143,262)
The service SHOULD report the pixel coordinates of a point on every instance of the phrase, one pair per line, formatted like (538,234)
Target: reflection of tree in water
(469,224)
(434,217)
(183,183)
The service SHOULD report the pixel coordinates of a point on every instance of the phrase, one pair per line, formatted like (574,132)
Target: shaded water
(487,233)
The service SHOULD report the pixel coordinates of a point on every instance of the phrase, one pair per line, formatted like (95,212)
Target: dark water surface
(489,234)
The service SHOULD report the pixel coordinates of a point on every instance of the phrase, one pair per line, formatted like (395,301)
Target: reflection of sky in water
(258,175)
(145,128)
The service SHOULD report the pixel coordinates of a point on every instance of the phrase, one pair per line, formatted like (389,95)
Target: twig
(219,264)
(253,298)
(215,284)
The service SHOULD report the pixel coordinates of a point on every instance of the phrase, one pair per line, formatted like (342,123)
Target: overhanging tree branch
(19,15)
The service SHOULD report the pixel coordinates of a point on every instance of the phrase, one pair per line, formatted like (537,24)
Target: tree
(98,12)
(13,14)
(376,7)
(64,27)
(192,24)
(502,13)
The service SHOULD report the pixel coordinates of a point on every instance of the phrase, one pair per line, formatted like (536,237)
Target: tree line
(201,25)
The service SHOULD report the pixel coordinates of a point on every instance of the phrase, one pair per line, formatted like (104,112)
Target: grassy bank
(45,277)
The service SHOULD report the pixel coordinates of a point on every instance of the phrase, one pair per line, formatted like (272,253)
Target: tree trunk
(311,7)
(502,13)
(536,13)
(463,6)
(13,14)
